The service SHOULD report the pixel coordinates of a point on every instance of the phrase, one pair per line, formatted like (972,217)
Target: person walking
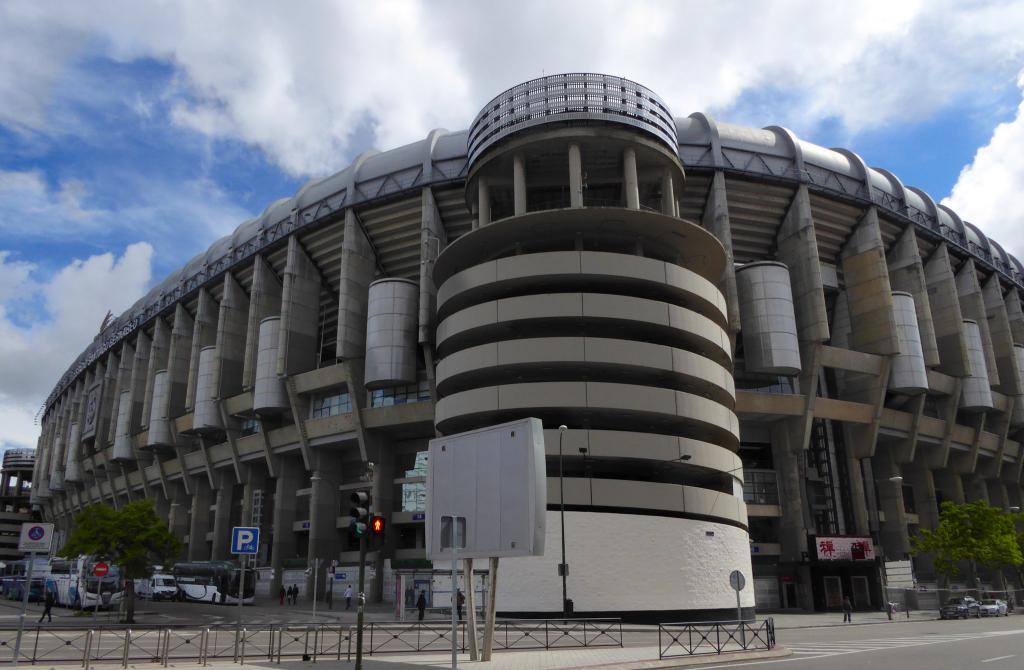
(460,600)
(847,610)
(281,594)
(348,597)
(421,604)
(47,606)
(295,594)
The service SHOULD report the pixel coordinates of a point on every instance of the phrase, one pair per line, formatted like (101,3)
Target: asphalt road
(985,644)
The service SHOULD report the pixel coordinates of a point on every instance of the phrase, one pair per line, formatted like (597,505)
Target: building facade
(15,493)
(767,356)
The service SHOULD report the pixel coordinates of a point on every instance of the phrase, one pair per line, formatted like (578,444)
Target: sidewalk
(787,621)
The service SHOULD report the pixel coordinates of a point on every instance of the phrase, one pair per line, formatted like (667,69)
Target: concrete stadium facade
(769,357)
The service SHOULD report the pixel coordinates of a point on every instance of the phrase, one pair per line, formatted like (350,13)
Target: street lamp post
(562,568)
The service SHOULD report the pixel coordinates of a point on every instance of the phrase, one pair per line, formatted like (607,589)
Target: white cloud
(68,308)
(301,81)
(990,190)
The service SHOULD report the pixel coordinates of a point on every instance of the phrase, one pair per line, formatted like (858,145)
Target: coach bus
(213,582)
(12,579)
(74,584)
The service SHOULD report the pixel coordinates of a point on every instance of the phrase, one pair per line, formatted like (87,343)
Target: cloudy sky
(134,134)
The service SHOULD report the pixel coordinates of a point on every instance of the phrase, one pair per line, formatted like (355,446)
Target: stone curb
(695,661)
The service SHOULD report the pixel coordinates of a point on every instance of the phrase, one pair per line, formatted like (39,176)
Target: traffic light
(359,512)
(377,525)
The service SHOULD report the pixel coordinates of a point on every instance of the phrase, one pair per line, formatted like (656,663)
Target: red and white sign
(844,549)
(101,569)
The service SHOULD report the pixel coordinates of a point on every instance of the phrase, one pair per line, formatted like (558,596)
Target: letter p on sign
(245,540)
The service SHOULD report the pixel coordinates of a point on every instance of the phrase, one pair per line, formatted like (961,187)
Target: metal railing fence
(714,637)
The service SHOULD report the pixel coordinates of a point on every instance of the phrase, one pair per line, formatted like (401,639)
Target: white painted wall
(630,562)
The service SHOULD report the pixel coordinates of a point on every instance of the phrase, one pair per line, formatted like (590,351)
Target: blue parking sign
(245,540)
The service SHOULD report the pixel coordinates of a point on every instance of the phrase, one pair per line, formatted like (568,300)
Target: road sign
(101,569)
(245,540)
(36,537)
(736,580)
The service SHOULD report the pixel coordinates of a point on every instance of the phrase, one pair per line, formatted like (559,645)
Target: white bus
(213,582)
(74,585)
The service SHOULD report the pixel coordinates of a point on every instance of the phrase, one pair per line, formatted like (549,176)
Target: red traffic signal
(377,525)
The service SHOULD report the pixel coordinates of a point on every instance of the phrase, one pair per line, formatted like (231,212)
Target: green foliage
(133,538)
(974,532)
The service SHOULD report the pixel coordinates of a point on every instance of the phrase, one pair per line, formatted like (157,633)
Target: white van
(158,587)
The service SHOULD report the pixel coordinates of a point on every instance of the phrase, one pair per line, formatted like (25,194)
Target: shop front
(844,567)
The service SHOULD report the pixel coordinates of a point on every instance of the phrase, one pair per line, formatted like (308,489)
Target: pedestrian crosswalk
(837,647)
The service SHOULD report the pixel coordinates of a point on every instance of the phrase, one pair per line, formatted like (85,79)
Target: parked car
(992,607)
(960,608)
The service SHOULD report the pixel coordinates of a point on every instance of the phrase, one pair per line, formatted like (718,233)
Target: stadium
(767,357)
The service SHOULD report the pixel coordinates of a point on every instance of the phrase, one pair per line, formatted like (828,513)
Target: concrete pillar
(630,182)
(433,239)
(199,525)
(668,193)
(906,273)
(518,184)
(925,502)
(264,301)
(946,315)
(139,379)
(972,306)
(975,488)
(798,249)
(289,480)
(358,265)
(177,511)
(716,220)
(858,493)
(232,327)
(997,495)
(158,351)
(575,176)
(324,508)
(869,295)
(204,334)
(1010,382)
(789,457)
(225,498)
(298,348)
(894,537)
(483,196)
(950,485)
(179,357)
(1015,313)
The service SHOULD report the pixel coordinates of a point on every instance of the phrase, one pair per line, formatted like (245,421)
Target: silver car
(990,607)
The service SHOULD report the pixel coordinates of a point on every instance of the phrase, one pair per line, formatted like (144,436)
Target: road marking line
(998,658)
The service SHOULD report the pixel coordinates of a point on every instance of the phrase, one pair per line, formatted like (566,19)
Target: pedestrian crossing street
(838,647)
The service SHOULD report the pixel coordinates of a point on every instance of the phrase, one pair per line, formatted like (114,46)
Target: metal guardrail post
(348,656)
(127,644)
(88,648)
(205,653)
(241,653)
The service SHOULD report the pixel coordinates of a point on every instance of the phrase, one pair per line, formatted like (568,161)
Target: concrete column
(1015,313)
(358,265)
(630,182)
(946,315)
(575,176)
(433,239)
(232,327)
(975,488)
(483,196)
(178,360)
(788,455)
(199,525)
(139,378)
(519,184)
(158,351)
(869,295)
(951,486)
(1010,382)
(177,511)
(264,301)
(997,494)
(225,498)
(798,249)
(324,508)
(119,374)
(894,536)
(906,273)
(668,193)
(716,220)
(204,334)
(858,495)
(972,306)
(300,309)
(925,502)
(289,480)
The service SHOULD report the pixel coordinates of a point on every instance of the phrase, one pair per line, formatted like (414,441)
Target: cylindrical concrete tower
(594,309)
(122,450)
(159,422)
(73,463)
(767,319)
(909,374)
(269,395)
(392,312)
(206,415)
(1017,418)
(976,395)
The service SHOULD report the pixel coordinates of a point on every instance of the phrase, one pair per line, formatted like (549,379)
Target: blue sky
(132,136)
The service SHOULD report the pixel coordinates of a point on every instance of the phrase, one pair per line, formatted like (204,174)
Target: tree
(132,538)
(976,532)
